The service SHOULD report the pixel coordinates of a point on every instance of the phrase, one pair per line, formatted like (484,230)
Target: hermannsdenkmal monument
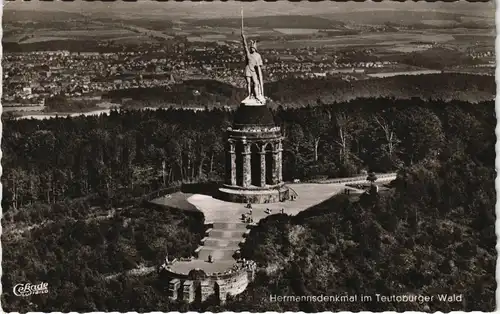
(254,143)
(253,189)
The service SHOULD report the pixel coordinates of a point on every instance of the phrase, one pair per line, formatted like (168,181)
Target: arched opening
(197,293)
(255,160)
(239,163)
(217,292)
(269,164)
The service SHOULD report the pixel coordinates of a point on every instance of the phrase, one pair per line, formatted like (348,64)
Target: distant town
(39,68)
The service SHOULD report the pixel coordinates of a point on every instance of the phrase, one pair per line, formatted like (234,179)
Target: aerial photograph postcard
(248,156)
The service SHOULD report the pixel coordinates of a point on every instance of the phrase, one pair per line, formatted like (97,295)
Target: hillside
(442,210)
(299,92)
(39,17)
(402,17)
(396,244)
(296,92)
(75,45)
(84,252)
(191,93)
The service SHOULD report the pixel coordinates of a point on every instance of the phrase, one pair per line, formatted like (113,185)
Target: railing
(237,269)
(161,192)
(194,187)
(380,177)
(254,128)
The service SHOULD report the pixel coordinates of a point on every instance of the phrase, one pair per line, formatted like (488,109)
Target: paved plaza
(223,239)
(309,195)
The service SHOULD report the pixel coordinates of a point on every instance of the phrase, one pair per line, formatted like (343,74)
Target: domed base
(253,115)
(253,101)
(254,195)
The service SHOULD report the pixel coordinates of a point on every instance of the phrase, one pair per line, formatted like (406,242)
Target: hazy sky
(189,9)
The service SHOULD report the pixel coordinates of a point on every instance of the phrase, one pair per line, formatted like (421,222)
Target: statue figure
(253,69)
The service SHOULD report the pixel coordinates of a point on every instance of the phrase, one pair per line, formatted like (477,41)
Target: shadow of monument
(327,206)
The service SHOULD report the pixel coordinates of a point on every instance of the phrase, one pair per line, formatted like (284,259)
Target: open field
(475,37)
(137,39)
(277,21)
(477,19)
(440,22)
(273,32)
(41,35)
(208,37)
(408,48)
(38,39)
(87,33)
(297,31)
(399,73)
(402,17)
(378,39)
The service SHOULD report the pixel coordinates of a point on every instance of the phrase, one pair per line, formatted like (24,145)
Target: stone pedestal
(173,288)
(206,290)
(188,291)
(254,136)
(269,194)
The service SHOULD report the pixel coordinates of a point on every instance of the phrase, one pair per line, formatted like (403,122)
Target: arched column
(263,166)
(247,166)
(276,165)
(280,161)
(277,162)
(232,165)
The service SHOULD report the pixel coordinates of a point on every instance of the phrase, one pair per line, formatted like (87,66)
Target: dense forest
(432,233)
(291,93)
(52,160)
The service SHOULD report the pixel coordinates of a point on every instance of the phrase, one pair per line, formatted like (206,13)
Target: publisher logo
(27,289)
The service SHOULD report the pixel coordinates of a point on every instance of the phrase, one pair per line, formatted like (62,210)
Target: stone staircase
(222,241)
(230,225)
(218,254)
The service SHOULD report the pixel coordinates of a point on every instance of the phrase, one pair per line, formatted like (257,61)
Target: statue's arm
(245,45)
